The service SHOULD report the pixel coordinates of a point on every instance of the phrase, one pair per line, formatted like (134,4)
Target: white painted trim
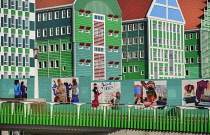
(192,30)
(166,20)
(54,7)
(150,8)
(134,20)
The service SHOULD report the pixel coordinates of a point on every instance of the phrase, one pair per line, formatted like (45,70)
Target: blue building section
(172,3)
(166,10)
(175,14)
(158,11)
(161,2)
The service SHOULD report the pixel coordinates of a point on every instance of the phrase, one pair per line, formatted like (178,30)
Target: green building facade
(80,39)
(17,32)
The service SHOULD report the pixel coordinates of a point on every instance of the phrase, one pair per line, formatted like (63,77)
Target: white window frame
(124,28)
(141,54)
(135,54)
(5,20)
(198,60)
(56,47)
(124,67)
(186,71)
(13,75)
(20,40)
(13,39)
(38,33)
(124,55)
(27,23)
(154,39)
(186,60)
(20,59)
(124,41)
(5,39)
(192,48)
(20,4)
(68,30)
(130,67)
(63,31)
(191,35)
(64,49)
(196,47)
(52,64)
(68,14)
(43,32)
(39,17)
(142,72)
(141,40)
(130,39)
(49,15)
(44,16)
(154,25)
(5,58)
(135,40)
(141,26)
(130,55)
(191,60)
(44,48)
(130,27)
(136,68)
(63,13)
(56,13)
(135,26)
(12,4)
(13,21)
(40,65)
(27,41)
(51,31)
(27,60)
(57,31)
(52,49)
(57,64)
(5,75)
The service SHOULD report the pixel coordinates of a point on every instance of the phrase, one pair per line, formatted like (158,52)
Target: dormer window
(87,13)
(110,32)
(87,29)
(81,11)
(110,17)
(116,33)
(81,28)
(116,18)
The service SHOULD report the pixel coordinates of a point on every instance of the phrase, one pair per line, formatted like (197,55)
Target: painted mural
(20,89)
(65,90)
(105,92)
(147,93)
(195,92)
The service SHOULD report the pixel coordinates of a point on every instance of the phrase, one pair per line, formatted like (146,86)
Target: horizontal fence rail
(165,118)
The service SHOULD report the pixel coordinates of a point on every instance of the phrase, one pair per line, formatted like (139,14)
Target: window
(135,26)
(135,54)
(110,63)
(64,47)
(160,41)
(13,40)
(56,14)
(161,69)
(68,29)
(56,64)
(130,27)
(141,40)
(26,23)
(63,68)
(40,64)
(5,75)
(5,59)
(38,33)
(191,48)
(123,28)
(98,17)
(12,2)
(142,72)
(196,48)
(124,41)
(51,31)
(12,21)
(135,40)
(68,13)
(5,21)
(155,40)
(130,41)
(141,54)
(44,15)
(186,60)
(155,54)
(174,29)
(130,55)
(26,41)
(178,43)
(20,40)
(87,30)
(110,32)
(124,69)
(20,60)
(19,4)
(63,13)
(141,26)
(63,30)
(81,11)
(44,48)
(52,64)
(116,33)
(49,15)
(166,69)
(39,17)
(52,48)
(130,69)
(44,32)
(57,31)
(186,36)
(13,75)
(191,60)
(154,26)
(81,28)
(27,60)
(174,43)
(136,68)
(5,3)
(116,18)
(191,36)
(27,75)
(40,49)
(124,55)
(87,14)
(178,29)
(197,35)
(159,27)
(70,46)
(165,55)
(56,47)
(186,48)
(5,40)
(198,60)
(171,69)
(116,49)
(96,32)
(186,72)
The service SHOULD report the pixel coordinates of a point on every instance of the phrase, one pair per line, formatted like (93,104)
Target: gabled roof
(193,12)
(52,3)
(134,9)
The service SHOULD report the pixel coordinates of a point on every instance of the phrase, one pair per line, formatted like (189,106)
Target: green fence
(121,116)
